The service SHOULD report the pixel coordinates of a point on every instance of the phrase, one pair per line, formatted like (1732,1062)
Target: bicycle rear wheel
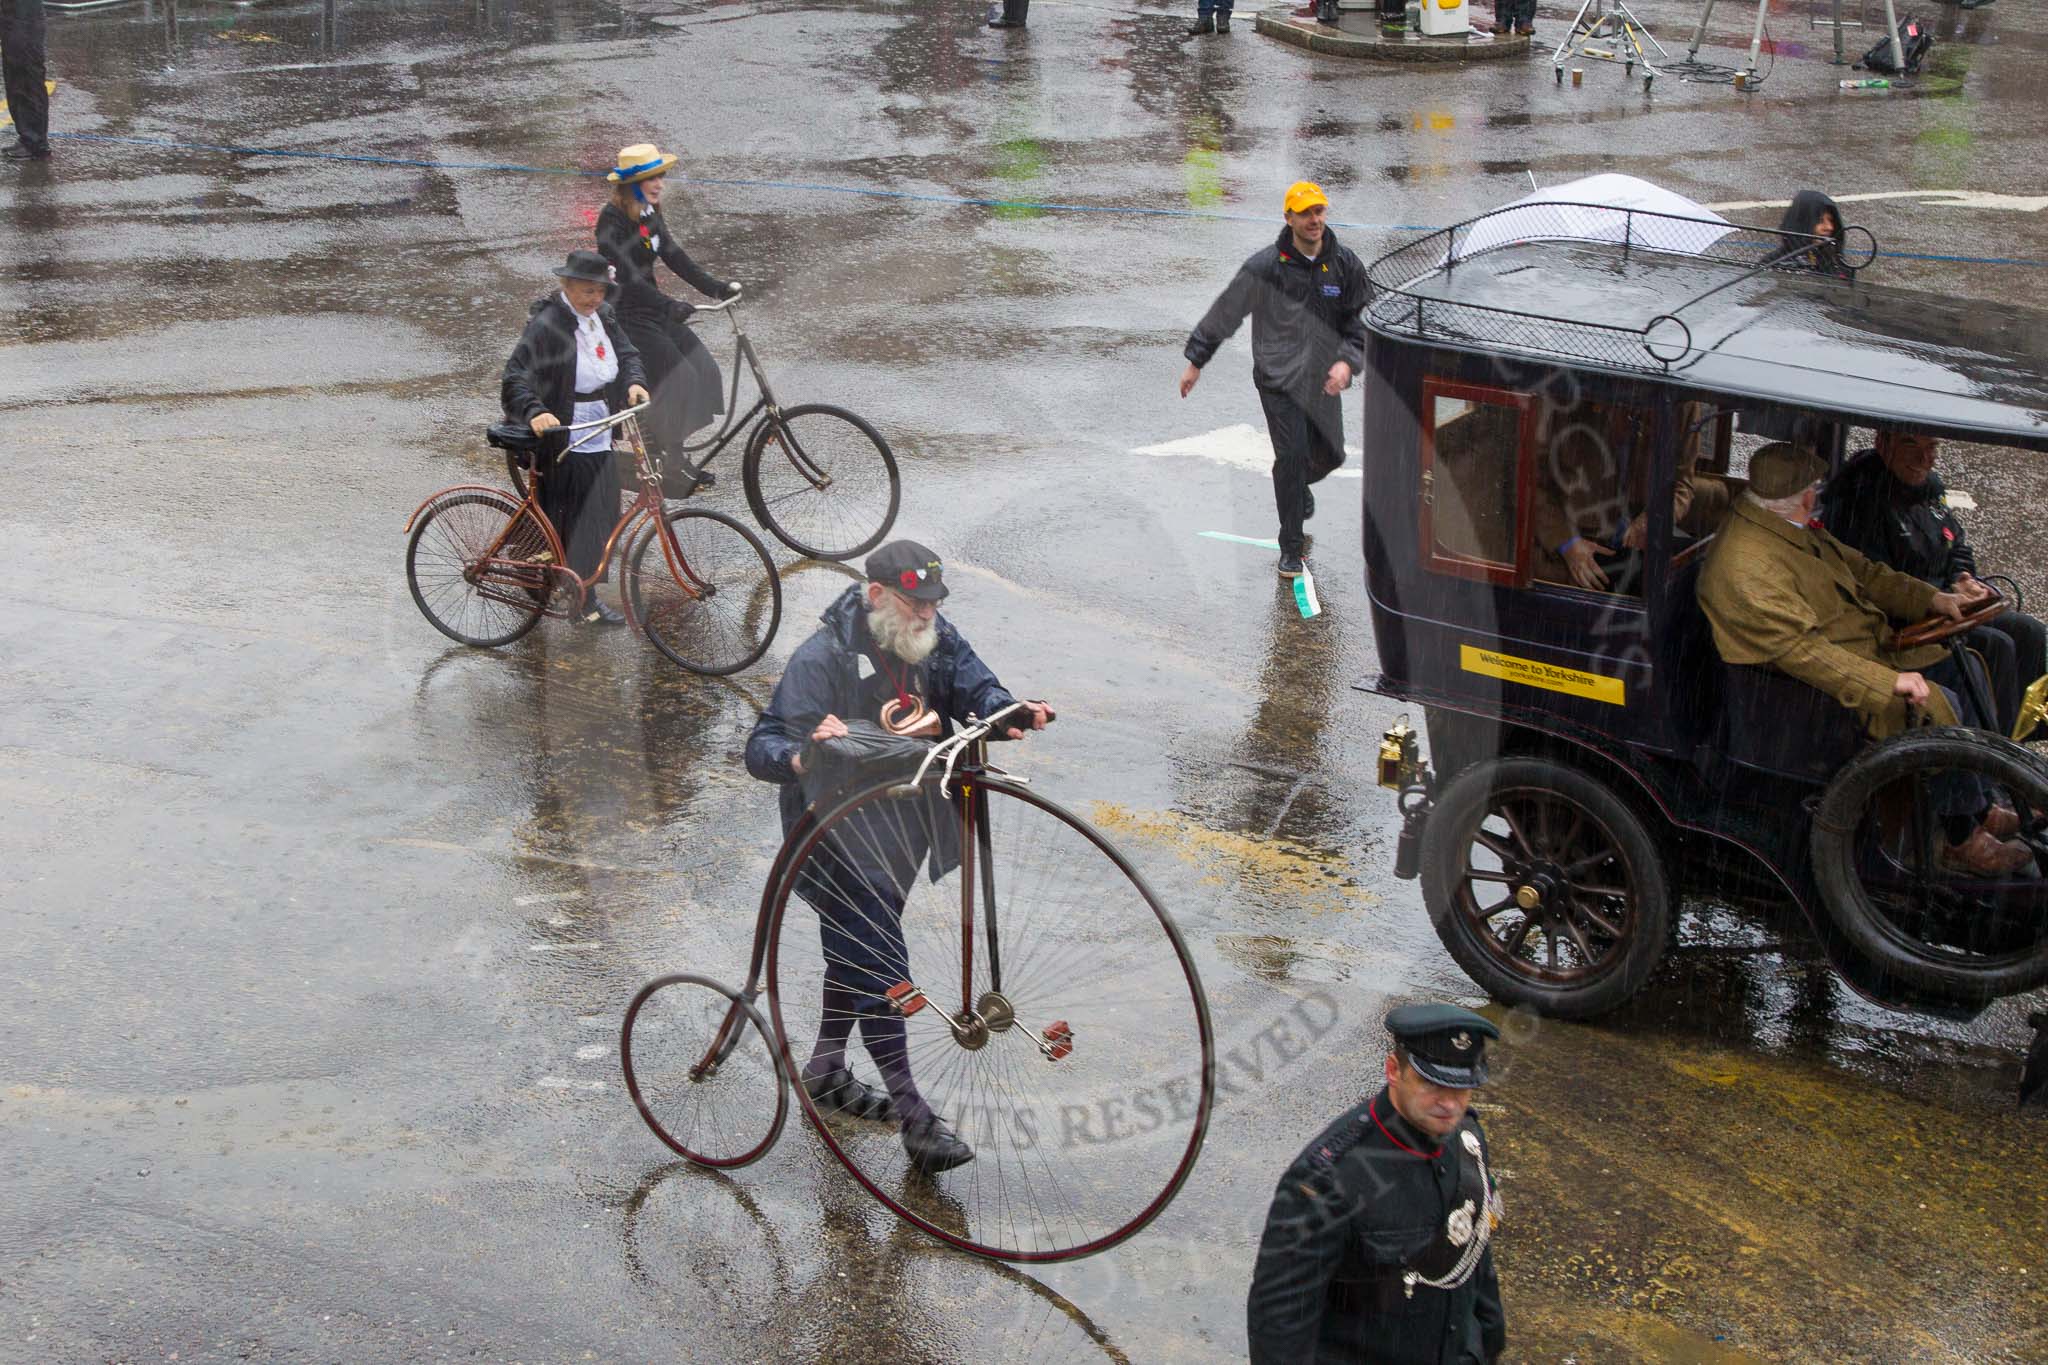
(466,564)
(702,1072)
(822,480)
(1065,1036)
(714,604)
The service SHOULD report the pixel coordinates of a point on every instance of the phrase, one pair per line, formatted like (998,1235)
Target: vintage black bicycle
(1054,1014)
(821,479)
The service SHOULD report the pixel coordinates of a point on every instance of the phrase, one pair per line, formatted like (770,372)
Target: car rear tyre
(1876,863)
(1545,886)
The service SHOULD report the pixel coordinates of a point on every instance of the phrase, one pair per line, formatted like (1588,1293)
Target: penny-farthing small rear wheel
(702,1072)
(1045,1003)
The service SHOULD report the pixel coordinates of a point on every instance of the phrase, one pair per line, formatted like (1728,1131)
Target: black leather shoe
(1222,25)
(18,150)
(1006,23)
(597,613)
(841,1095)
(934,1146)
(1309,505)
(1202,27)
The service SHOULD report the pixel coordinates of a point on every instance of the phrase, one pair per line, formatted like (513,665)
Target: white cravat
(597,365)
(653,238)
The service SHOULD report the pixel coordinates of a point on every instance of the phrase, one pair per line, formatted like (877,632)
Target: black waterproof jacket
(841,672)
(1356,1207)
(1803,215)
(630,244)
(1909,528)
(1306,316)
(541,374)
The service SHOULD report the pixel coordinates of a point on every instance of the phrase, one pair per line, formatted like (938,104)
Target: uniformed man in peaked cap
(1378,1245)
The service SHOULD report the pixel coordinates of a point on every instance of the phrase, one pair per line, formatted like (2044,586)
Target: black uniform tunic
(1356,1207)
(684,379)
(540,377)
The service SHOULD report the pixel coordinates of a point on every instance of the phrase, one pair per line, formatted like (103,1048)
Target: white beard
(907,638)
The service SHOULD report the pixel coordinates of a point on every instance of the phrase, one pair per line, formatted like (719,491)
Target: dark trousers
(1308,442)
(579,496)
(1219,8)
(21,64)
(2028,638)
(684,380)
(1960,798)
(1016,11)
(1513,14)
(861,931)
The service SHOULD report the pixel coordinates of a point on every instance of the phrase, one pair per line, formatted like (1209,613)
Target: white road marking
(591,1052)
(1955,199)
(562,947)
(559,1083)
(1240,446)
(523,901)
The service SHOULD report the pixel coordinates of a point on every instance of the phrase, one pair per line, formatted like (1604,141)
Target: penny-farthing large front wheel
(1047,1004)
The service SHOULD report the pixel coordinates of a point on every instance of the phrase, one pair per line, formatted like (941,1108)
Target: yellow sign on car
(1492,663)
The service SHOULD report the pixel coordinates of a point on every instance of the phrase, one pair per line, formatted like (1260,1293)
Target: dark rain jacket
(840,671)
(1359,1205)
(1306,316)
(1803,215)
(541,374)
(1910,529)
(632,245)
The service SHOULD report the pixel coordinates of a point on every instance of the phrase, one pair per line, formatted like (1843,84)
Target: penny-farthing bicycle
(1054,1015)
(821,479)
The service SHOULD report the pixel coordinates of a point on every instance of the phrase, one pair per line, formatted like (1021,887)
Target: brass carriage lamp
(1400,755)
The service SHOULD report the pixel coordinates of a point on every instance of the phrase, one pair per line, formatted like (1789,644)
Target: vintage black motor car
(1548,377)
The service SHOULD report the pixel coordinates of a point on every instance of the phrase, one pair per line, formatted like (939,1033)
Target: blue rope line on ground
(811,187)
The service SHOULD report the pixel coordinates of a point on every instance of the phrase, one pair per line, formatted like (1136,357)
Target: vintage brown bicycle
(484,566)
(1052,1009)
(820,478)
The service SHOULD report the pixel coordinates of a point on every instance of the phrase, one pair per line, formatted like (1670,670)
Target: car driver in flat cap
(1378,1245)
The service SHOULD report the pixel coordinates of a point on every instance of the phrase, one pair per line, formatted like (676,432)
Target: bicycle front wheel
(702,1072)
(822,480)
(1035,995)
(476,567)
(705,592)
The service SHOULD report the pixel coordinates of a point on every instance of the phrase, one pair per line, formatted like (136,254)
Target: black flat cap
(909,568)
(1446,1044)
(585,265)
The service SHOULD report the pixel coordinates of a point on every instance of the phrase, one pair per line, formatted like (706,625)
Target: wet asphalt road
(318,930)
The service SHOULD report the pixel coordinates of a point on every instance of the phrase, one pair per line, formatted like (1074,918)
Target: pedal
(1057,1041)
(907,998)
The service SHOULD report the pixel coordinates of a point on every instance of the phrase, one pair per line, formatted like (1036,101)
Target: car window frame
(1515,574)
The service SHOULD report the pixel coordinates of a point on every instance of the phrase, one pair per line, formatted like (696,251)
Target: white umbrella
(1592,210)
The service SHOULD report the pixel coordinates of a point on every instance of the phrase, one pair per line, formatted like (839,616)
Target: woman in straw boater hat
(575,363)
(688,389)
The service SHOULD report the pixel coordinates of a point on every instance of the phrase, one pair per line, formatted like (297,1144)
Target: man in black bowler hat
(883,655)
(1378,1246)
(28,90)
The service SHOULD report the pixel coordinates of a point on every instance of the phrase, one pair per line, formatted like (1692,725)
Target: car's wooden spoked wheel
(1545,886)
(1548,887)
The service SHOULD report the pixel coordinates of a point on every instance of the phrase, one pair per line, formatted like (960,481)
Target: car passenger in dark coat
(1889,504)
(573,333)
(632,236)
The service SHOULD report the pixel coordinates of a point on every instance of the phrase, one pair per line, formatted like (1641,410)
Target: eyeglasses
(912,579)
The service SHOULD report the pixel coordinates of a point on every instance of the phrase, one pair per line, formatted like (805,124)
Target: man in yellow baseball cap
(1305,295)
